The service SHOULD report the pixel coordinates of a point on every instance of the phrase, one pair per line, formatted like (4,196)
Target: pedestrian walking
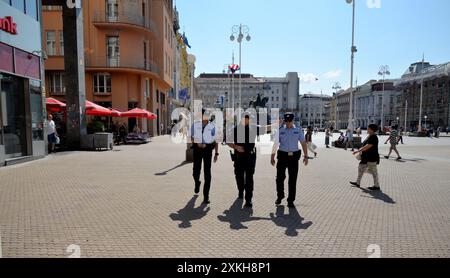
(288,155)
(437,132)
(203,136)
(393,140)
(52,135)
(327,138)
(350,139)
(122,133)
(309,143)
(370,158)
(446,130)
(244,158)
(358,132)
(401,132)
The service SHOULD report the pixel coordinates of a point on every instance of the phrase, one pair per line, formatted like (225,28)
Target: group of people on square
(286,154)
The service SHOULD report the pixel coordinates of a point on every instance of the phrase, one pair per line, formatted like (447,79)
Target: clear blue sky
(313,37)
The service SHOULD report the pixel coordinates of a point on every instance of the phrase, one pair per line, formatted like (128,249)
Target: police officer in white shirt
(203,136)
(288,156)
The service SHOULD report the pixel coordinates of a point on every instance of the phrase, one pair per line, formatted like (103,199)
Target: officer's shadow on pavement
(236,215)
(380,195)
(173,168)
(190,213)
(291,221)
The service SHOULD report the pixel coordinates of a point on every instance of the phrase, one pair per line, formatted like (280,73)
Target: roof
(416,73)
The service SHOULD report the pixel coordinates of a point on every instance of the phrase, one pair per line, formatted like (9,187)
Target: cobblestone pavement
(137,201)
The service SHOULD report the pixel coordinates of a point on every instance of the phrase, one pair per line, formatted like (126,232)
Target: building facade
(314,110)
(22,112)
(216,90)
(435,95)
(129,56)
(367,105)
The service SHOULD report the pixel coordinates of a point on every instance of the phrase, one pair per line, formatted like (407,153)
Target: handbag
(58,141)
(358,156)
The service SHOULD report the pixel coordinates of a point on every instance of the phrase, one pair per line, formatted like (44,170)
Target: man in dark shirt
(370,158)
(244,158)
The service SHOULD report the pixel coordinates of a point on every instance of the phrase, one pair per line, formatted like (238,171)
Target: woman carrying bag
(308,137)
(370,158)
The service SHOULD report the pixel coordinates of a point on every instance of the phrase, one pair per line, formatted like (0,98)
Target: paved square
(137,201)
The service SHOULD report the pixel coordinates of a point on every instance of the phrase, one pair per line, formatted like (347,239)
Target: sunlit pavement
(138,201)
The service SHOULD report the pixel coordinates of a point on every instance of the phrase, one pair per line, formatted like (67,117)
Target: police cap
(288,117)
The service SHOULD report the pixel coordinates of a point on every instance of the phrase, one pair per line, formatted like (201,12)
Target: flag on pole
(185,40)
(233,68)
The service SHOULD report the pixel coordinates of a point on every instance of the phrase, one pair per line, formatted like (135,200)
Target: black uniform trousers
(205,156)
(291,163)
(244,169)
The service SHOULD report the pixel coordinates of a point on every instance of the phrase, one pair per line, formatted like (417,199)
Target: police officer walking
(288,156)
(203,135)
(244,158)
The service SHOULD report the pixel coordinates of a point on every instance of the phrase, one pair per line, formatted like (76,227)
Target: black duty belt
(253,151)
(290,153)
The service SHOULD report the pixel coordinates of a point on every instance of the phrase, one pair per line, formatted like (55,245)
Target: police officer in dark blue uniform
(244,157)
(288,156)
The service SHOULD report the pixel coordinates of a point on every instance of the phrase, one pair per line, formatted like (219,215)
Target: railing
(132,62)
(125,17)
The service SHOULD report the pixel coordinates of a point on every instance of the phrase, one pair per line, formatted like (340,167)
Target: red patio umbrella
(115,113)
(54,105)
(52,101)
(139,113)
(93,109)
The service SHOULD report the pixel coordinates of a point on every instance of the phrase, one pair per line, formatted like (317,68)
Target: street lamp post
(336,86)
(353,51)
(421,97)
(240,31)
(384,70)
(321,109)
(406,113)
(191,62)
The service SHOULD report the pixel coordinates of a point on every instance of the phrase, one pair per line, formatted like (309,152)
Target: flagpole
(232,85)
(406,114)
(421,97)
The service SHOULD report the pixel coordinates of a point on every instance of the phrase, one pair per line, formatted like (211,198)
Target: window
(19,4)
(61,43)
(112,46)
(37,117)
(31,8)
(157,95)
(112,10)
(51,43)
(165,28)
(163,98)
(278,99)
(56,83)
(102,83)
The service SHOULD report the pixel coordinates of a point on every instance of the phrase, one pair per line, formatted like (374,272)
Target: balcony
(121,63)
(126,19)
